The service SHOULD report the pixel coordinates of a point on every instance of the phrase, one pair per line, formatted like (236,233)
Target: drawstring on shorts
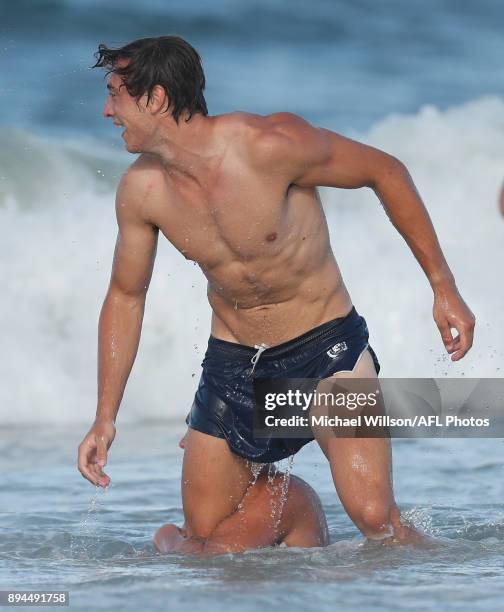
(260,348)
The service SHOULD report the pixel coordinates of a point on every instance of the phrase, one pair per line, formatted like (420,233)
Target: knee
(377,520)
(198,525)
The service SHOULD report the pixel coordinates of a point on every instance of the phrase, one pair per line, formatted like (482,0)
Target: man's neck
(191,149)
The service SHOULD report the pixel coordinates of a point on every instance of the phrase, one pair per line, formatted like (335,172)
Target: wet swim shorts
(224,402)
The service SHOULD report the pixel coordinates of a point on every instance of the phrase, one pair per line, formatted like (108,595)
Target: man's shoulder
(146,175)
(146,166)
(141,186)
(263,127)
(267,139)
(263,123)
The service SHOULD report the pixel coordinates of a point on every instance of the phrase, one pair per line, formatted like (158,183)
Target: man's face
(126,112)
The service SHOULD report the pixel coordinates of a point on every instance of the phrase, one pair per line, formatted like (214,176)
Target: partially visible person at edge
(237,193)
(277,509)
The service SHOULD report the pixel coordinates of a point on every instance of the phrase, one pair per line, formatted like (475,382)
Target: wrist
(443,283)
(104,418)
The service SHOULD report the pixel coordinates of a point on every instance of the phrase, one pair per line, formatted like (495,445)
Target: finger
(88,468)
(99,460)
(88,473)
(456,343)
(83,462)
(465,343)
(95,469)
(101,451)
(99,477)
(446,335)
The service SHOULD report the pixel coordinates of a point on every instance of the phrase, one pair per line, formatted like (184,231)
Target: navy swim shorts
(224,402)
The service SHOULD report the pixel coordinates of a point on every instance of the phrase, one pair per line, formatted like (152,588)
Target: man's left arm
(319,157)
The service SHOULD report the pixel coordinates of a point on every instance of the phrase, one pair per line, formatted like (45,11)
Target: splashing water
(420,518)
(278,492)
(282,489)
(87,526)
(255,470)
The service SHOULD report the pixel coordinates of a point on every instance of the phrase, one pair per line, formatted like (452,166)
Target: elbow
(391,171)
(131,299)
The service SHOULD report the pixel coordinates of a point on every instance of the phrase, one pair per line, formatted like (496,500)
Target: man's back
(275,510)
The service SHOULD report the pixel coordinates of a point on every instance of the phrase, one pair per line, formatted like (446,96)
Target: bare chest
(238,216)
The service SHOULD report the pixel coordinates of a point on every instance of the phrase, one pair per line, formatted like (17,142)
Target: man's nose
(107,109)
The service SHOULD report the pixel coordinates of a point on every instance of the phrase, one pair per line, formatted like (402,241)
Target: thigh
(362,473)
(214,481)
(361,467)
(328,439)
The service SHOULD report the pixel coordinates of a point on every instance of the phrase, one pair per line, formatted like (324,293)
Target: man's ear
(159,100)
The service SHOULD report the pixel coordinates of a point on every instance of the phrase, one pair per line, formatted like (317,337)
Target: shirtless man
(264,519)
(236,193)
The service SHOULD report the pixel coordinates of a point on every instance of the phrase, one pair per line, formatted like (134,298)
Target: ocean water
(59,533)
(422,81)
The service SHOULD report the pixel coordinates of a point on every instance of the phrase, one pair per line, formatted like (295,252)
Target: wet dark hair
(169,61)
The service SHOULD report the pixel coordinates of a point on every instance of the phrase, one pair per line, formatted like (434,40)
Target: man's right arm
(123,309)
(121,315)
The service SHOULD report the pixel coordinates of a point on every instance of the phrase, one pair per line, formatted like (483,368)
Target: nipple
(271,237)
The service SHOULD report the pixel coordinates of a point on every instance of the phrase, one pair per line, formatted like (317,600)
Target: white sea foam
(457,161)
(58,232)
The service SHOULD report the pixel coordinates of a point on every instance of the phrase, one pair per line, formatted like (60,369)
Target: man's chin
(132,148)
(129,146)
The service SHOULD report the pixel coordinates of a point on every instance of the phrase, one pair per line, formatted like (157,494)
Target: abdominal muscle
(292,307)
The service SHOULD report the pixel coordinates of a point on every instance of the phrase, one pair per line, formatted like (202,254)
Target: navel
(271,237)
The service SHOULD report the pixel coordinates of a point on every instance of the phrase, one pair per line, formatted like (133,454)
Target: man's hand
(450,311)
(92,456)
